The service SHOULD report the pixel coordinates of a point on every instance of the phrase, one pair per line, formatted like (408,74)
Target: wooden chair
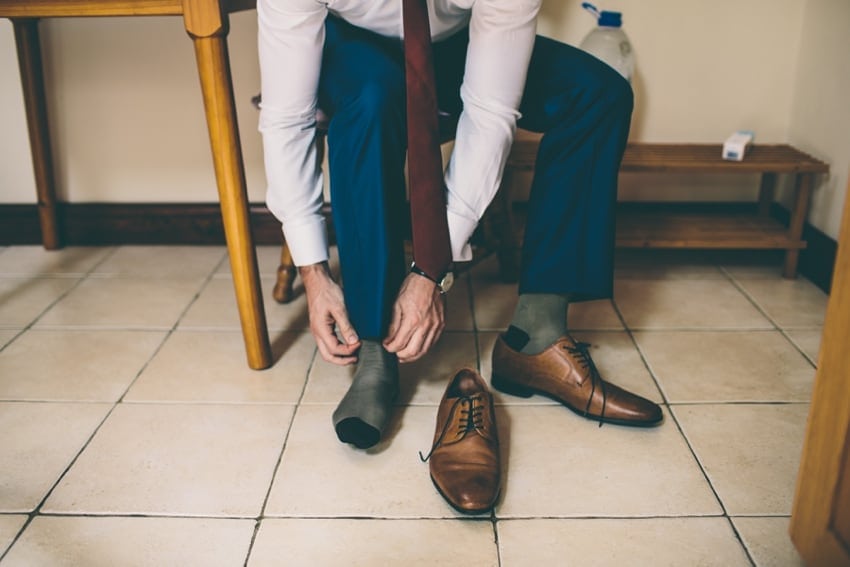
(496,231)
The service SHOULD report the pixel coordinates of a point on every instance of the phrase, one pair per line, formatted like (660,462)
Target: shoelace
(471,419)
(581,352)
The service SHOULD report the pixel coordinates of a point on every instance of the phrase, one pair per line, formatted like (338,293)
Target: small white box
(736,144)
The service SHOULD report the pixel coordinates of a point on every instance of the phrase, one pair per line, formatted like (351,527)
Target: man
(346,57)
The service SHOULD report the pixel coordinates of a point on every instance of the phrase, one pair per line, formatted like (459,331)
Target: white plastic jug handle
(591,8)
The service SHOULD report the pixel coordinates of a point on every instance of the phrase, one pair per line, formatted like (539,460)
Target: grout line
(37,510)
(681,430)
(262,514)
(80,279)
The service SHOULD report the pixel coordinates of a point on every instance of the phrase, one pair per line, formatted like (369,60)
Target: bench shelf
(664,226)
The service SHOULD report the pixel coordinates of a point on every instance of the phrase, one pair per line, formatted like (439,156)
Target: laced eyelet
(581,352)
(471,419)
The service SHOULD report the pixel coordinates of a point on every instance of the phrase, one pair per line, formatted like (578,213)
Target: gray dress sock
(365,409)
(539,320)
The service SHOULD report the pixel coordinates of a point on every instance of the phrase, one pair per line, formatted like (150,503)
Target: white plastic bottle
(609,42)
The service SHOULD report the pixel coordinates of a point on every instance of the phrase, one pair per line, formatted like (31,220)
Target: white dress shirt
(291,39)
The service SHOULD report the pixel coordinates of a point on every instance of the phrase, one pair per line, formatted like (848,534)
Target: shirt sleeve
(501,38)
(291,36)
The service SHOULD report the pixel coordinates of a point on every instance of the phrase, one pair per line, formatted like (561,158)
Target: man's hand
(418,319)
(326,307)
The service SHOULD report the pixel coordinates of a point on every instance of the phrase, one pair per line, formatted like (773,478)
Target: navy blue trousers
(583,108)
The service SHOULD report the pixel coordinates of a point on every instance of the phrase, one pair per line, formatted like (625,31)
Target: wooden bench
(646,228)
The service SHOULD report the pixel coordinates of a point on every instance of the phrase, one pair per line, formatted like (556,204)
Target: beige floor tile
(421,382)
(750,453)
(768,541)
(24,299)
(268,261)
(74,365)
(617,542)
(320,477)
(494,301)
(123,303)
(707,366)
(209,366)
(35,260)
(560,465)
(163,261)
(664,264)
(132,542)
(9,528)
(210,460)
(37,443)
(689,304)
(216,308)
(790,303)
(495,305)
(754,272)
(6,335)
(613,353)
(367,543)
(593,315)
(808,340)
(459,315)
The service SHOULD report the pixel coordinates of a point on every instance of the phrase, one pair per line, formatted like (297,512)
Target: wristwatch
(444,284)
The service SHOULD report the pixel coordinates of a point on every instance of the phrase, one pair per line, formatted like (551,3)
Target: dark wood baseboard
(98,224)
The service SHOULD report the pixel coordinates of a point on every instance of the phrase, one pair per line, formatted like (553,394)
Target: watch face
(447,282)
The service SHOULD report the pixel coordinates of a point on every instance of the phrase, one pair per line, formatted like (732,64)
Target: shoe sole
(464,510)
(514,389)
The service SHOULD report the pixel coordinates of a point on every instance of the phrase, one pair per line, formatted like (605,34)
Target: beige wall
(820,113)
(128,126)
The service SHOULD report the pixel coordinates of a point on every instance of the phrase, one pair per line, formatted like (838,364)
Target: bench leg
(802,194)
(214,70)
(35,102)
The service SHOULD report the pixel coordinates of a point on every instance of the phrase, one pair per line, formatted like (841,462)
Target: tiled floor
(133,433)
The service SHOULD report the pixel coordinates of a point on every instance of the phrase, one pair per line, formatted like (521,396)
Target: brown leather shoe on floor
(566,373)
(465,455)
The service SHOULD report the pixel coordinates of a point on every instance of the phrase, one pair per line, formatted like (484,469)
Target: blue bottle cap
(610,19)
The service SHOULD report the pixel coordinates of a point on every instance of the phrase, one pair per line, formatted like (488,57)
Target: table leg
(802,194)
(214,69)
(32,81)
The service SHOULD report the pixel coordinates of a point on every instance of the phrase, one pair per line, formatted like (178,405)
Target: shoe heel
(512,388)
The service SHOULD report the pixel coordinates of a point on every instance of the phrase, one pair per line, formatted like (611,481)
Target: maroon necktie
(431,248)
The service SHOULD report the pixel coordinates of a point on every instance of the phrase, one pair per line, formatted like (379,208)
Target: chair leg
(282,292)
(214,70)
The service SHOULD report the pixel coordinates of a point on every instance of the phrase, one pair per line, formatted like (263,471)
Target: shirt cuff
(308,242)
(460,231)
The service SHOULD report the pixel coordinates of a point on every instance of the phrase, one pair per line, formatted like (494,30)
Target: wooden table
(206,22)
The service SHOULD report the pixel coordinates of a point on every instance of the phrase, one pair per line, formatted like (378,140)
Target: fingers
(331,349)
(420,343)
(345,328)
(326,308)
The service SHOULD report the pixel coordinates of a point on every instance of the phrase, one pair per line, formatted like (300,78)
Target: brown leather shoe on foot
(566,373)
(465,455)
